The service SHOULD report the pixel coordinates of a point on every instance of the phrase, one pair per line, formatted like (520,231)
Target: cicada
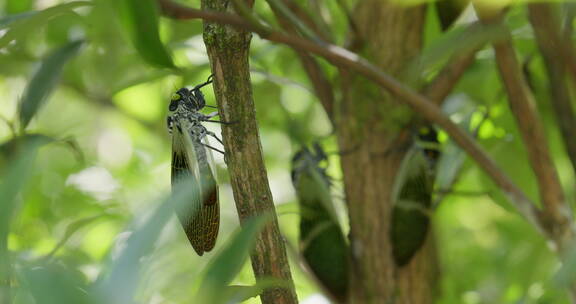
(191,161)
(322,242)
(413,197)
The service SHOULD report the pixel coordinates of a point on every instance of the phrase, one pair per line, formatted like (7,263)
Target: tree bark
(228,51)
(371,123)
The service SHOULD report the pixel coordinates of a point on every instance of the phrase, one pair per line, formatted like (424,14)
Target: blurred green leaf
(55,284)
(237,293)
(18,6)
(73,228)
(15,176)
(15,17)
(44,81)
(140,18)
(458,41)
(229,260)
(20,25)
(11,148)
(566,274)
(119,282)
(452,158)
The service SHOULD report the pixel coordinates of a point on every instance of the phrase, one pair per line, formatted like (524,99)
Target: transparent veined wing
(200,219)
(211,201)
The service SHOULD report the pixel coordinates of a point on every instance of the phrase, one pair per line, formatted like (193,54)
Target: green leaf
(565,276)
(44,80)
(458,41)
(55,283)
(22,24)
(74,227)
(239,293)
(6,21)
(229,260)
(15,176)
(140,19)
(13,179)
(119,282)
(18,6)
(452,159)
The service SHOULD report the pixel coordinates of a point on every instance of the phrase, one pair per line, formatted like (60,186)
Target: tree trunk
(228,50)
(376,135)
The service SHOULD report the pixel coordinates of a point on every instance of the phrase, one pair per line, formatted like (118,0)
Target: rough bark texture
(228,51)
(370,123)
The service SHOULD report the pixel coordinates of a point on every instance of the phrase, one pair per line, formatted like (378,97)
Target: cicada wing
(184,167)
(211,203)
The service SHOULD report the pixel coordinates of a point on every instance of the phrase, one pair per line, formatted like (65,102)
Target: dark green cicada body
(322,243)
(413,198)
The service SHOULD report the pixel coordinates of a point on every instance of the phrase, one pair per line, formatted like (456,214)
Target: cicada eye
(173,105)
(175,99)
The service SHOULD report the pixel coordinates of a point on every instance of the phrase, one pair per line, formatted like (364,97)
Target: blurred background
(106,168)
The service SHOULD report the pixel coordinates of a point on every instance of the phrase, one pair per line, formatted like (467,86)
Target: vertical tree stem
(228,50)
(372,120)
(548,30)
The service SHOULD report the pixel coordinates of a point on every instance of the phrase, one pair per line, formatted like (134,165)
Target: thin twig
(286,14)
(228,50)
(348,60)
(441,86)
(563,45)
(322,86)
(557,217)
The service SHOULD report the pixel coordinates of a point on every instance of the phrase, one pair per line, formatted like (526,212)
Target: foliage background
(113,169)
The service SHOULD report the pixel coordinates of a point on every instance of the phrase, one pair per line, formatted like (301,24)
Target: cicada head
(310,159)
(187,100)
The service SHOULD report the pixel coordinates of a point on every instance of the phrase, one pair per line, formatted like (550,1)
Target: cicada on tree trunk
(322,242)
(191,162)
(413,197)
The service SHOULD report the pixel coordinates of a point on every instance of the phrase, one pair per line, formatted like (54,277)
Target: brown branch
(228,51)
(347,60)
(322,85)
(441,86)
(320,82)
(557,217)
(543,22)
(546,15)
(304,17)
